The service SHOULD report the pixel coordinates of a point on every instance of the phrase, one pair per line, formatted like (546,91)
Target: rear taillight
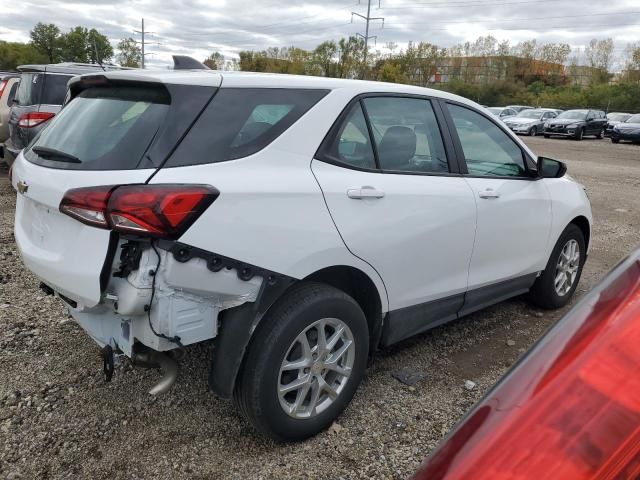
(33,119)
(570,409)
(163,211)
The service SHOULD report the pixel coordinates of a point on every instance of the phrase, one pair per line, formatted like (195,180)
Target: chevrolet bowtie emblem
(22,187)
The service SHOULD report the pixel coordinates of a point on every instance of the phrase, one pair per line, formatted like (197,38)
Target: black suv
(39,97)
(576,124)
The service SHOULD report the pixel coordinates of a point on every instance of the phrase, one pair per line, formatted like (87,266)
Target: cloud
(198,27)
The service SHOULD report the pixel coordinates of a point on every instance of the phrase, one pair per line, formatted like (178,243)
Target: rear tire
(287,349)
(615,140)
(547,136)
(545,292)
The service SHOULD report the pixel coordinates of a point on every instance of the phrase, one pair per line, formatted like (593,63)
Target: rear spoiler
(184,62)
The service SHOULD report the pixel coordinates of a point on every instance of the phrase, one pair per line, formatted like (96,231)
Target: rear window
(54,89)
(102,129)
(241,121)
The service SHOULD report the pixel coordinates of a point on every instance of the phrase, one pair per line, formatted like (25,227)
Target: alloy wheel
(316,368)
(567,268)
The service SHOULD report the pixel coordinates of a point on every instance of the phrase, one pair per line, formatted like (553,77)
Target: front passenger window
(488,150)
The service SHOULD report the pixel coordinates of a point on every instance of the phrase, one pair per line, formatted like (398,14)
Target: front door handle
(488,193)
(364,192)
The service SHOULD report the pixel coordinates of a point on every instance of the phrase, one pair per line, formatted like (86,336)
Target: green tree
(100,49)
(215,61)
(13,54)
(129,53)
(46,39)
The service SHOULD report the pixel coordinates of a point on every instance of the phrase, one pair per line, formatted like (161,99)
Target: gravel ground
(59,419)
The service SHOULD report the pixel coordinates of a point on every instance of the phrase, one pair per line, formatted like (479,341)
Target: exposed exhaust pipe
(154,359)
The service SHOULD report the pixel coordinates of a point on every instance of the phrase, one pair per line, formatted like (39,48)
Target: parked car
(298,222)
(38,98)
(8,85)
(614,119)
(628,131)
(576,124)
(519,108)
(530,122)
(502,112)
(570,408)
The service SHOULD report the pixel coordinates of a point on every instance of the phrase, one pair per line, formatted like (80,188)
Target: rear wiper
(53,154)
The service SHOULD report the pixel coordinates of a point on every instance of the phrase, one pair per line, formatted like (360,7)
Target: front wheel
(304,364)
(557,283)
(580,134)
(615,140)
(600,134)
(533,131)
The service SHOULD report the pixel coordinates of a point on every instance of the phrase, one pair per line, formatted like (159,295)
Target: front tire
(533,132)
(600,134)
(615,140)
(304,364)
(580,134)
(557,283)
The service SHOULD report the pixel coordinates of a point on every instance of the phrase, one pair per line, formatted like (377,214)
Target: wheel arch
(239,324)
(358,285)
(585,227)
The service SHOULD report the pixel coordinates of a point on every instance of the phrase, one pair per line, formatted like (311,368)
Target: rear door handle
(364,192)
(488,193)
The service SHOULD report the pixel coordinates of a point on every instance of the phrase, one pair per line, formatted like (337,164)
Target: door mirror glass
(550,168)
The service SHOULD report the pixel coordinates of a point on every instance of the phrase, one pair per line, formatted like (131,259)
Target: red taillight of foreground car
(33,119)
(570,409)
(162,211)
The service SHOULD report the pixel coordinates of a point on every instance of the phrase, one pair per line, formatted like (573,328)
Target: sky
(199,27)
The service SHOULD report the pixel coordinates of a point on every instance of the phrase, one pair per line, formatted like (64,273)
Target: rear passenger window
(242,121)
(352,145)
(406,134)
(488,150)
(54,89)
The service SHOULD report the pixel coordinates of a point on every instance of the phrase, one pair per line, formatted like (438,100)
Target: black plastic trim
(406,322)
(108,261)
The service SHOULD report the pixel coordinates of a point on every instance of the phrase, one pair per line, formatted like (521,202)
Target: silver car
(502,112)
(530,122)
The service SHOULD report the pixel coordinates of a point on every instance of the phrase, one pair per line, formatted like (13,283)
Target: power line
(368,19)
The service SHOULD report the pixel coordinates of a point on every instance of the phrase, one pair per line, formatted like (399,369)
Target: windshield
(634,119)
(618,117)
(103,129)
(529,114)
(574,115)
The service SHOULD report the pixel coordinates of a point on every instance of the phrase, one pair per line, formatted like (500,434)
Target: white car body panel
(64,253)
(517,221)
(406,233)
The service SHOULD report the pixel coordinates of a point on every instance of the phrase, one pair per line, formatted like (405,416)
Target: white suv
(301,223)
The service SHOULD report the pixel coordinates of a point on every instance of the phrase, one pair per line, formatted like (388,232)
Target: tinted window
(54,89)
(240,122)
(29,89)
(406,134)
(634,119)
(352,145)
(488,150)
(12,93)
(573,115)
(104,128)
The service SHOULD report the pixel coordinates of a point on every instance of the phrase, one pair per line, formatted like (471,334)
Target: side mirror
(550,168)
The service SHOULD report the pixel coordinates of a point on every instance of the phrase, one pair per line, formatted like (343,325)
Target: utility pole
(142,42)
(367,19)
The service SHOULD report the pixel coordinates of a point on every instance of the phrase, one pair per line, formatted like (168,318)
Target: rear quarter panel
(271,212)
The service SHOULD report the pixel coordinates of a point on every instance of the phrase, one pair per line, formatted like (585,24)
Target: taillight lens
(163,211)
(570,409)
(33,119)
